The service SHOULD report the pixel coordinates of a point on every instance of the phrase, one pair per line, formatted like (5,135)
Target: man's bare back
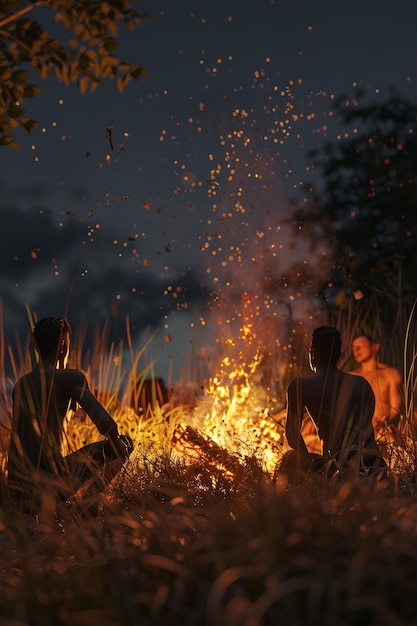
(40,402)
(340,409)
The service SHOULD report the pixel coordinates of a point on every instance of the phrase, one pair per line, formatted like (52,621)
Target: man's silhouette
(340,405)
(41,400)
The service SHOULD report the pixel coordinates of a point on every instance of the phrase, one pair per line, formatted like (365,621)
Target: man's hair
(365,336)
(47,334)
(327,344)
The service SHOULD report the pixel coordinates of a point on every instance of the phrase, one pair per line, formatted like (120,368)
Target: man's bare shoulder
(305,387)
(70,377)
(300,381)
(24,382)
(357,376)
(24,377)
(389,372)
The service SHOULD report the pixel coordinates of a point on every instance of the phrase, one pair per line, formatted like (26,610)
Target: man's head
(364,348)
(51,338)
(325,347)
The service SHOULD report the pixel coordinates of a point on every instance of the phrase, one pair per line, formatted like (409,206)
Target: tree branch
(15,16)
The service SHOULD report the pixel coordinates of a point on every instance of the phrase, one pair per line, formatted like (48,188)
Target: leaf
(120,84)
(7,140)
(112,27)
(84,61)
(66,75)
(14,111)
(30,91)
(136,71)
(110,45)
(83,85)
(28,124)
(21,76)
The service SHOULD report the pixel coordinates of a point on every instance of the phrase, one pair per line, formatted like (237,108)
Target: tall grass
(176,542)
(171,548)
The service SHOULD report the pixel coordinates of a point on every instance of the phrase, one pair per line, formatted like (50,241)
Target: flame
(234,422)
(236,413)
(238,418)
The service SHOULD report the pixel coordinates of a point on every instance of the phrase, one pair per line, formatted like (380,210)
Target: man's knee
(296,466)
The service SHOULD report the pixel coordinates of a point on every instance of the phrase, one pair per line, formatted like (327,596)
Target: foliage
(365,210)
(81,47)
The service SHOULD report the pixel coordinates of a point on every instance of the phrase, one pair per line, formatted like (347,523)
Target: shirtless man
(41,400)
(385,382)
(340,406)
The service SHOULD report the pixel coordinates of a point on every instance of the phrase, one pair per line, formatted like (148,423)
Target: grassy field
(200,534)
(172,545)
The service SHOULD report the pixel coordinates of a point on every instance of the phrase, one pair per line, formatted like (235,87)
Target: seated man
(341,407)
(41,400)
(385,381)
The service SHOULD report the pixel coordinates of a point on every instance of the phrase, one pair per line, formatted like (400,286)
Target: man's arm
(395,397)
(105,424)
(295,414)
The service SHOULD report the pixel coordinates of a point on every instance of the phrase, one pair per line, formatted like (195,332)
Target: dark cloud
(57,270)
(30,194)
(111,295)
(30,242)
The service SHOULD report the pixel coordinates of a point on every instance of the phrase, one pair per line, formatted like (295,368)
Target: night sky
(165,203)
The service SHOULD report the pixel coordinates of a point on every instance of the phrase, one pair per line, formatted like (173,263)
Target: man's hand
(384,430)
(123,445)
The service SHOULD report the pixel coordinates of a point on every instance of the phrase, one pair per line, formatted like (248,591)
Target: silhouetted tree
(366,206)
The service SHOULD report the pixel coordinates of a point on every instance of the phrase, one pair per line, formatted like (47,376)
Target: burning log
(204,451)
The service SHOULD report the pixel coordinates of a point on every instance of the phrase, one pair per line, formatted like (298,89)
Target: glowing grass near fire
(234,413)
(192,531)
